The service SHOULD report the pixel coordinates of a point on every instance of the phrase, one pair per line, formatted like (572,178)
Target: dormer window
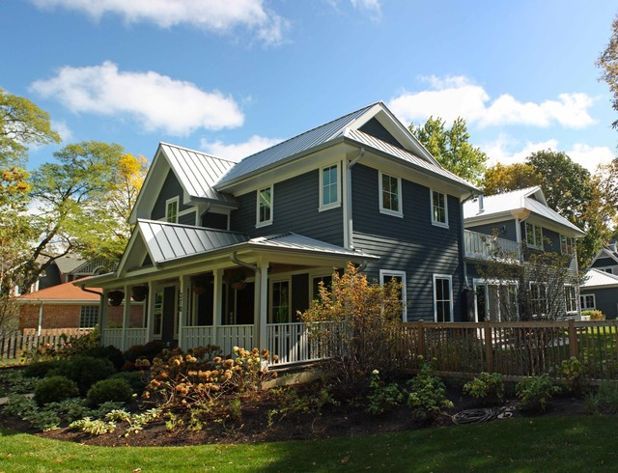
(171,210)
(534,236)
(439,209)
(330,190)
(390,195)
(264,206)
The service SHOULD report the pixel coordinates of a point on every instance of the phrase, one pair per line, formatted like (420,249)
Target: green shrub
(382,397)
(487,387)
(535,393)
(148,351)
(594,314)
(84,370)
(115,390)
(573,373)
(136,379)
(40,369)
(55,389)
(110,353)
(427,395)
(605,400)
(14,382)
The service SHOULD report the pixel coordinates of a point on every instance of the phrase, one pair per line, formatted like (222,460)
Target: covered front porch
(249,296)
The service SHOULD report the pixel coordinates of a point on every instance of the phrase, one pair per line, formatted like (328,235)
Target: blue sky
(231,77)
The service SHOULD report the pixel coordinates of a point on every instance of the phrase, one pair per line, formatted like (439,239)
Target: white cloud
(156,101)
(453,96)
(62,129)
(506,150)
(213,15)
(373,7)
(237,151)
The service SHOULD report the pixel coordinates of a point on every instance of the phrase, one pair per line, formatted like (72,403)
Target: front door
(169,314)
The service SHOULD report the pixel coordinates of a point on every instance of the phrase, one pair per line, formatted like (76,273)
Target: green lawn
(547,444)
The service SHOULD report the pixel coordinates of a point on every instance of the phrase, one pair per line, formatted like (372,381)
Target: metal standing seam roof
(598,279)
(292,146)
(515,200)
(198,171)
(170,241)
(375,143)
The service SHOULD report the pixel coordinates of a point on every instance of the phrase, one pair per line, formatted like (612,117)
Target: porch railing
(481,246)
(294,343)
(225,337)
(135,336)
(112,336)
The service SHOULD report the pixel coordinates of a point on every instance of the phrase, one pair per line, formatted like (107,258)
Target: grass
(548,444)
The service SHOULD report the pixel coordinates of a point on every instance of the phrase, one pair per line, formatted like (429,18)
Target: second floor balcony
(484,247)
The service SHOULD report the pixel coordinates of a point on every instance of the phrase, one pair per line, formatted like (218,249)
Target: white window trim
(337,203)
(270,298)
(435,293)
(582,298)
(265,223)
(435,222)
(393,213)
(606,269)
(169,201)
(404,290)
(566,309)
(536,245)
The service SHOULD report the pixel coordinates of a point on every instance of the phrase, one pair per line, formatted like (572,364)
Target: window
(327,280)
(534,236)
(171,210)
(390,195)
(567,245)
(587,301)
(330,192)
(607,269)
(439,209)
(538,299)
(386,276)
(443,298)
(88,316)
(280,302)
(264,206)
(157,313)
(570,299)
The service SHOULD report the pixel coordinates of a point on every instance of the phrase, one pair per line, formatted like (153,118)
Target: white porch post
(263,303)
(185,284)
(150,309)
(103,315)
(217,301)
(40,321)
(125,317)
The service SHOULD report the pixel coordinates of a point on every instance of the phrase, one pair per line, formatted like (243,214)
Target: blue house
(228,253)
(599,290)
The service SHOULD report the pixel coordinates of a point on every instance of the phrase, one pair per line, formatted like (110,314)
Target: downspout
(349,229)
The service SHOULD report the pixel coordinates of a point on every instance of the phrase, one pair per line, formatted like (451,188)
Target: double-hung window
(538,299)
(171,210)
(88,316)
(570,299)
(443,298)
(439,209)
(390,195)
(330,190)
(587,301)
(534,236)
(386,276)
(567,245)
(264,206)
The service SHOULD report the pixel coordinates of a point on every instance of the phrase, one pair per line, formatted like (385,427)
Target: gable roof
(66,292)
(530,198)
(596,278)
(607,252)
(68,263)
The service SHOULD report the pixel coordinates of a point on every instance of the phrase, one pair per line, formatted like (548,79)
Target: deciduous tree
(507,177)
(608,62)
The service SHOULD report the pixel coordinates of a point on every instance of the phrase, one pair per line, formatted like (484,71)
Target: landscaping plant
(605,400)
(427,396)
(572,371)
(115,390)
(536,392)
(54,389)
(382,397)
(486,387)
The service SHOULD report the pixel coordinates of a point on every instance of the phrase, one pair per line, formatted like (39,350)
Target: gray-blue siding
(171,188)
(601,262)
(295,209)
(411,244)
(606,300)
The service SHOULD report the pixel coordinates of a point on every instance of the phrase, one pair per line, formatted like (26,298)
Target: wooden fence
(512,348)
(16,345)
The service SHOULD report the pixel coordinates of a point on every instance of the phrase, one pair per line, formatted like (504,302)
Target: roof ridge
(194,227)
(193,150)
(523,189)
(605,273)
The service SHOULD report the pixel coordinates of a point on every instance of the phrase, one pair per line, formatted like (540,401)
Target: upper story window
(171,210)
(264,206)
(443,298)
(567,245)
(390,195)
(439,209)
(534,236)
(330,190)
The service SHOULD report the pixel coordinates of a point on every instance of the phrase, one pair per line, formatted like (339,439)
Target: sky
(233,77)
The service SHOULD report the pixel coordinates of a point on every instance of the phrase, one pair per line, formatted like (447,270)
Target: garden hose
(478,416)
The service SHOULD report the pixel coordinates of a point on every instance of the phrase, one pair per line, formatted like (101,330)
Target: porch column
(217,301)
(125,317)
(103,315)
(185,286)
(39,327)
(149,309)
(263,303)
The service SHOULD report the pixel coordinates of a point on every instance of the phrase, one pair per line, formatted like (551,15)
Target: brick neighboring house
(68,307)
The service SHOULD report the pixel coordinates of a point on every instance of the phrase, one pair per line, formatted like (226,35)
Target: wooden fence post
(573,346)
(489,348)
